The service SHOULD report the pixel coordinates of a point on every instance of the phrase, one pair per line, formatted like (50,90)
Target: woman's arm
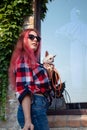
(24,78)
(26,104)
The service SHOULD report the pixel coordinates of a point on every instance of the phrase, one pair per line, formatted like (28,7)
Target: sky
(64,34)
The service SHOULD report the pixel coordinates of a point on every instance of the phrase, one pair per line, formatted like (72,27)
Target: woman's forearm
(26,104)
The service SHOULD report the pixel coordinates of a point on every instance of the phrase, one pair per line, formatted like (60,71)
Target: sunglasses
(32,37)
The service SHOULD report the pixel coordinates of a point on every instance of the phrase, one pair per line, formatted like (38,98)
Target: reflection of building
(76,32)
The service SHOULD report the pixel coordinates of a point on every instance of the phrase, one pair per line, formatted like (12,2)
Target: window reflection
(69,42)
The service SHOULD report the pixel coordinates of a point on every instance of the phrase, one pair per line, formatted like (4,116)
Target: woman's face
(33,40)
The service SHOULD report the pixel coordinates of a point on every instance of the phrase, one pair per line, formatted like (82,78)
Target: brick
(84,120)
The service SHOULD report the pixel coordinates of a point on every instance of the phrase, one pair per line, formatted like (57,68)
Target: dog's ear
(46,53)
(54,56)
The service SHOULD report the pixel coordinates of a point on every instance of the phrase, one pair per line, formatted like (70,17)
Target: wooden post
(34,20)
(37,11)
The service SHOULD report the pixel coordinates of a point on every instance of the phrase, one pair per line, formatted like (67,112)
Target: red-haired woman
(30,81)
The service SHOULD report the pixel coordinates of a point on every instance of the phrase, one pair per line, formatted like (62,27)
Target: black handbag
(58,101)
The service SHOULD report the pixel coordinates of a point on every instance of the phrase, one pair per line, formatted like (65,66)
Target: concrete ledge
(68,112)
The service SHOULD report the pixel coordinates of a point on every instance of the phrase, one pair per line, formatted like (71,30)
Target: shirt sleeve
(24,80)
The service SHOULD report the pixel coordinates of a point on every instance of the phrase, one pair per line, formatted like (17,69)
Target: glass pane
(64,34)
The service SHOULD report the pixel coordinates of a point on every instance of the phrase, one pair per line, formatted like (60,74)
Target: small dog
(51,70)
(48,63)
(53,74)
(49,59)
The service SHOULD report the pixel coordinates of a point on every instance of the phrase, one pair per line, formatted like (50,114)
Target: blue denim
(38,113)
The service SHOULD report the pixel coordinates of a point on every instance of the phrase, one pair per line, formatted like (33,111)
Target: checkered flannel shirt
(30,80)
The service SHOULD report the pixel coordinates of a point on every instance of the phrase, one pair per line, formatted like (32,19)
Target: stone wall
(11,110)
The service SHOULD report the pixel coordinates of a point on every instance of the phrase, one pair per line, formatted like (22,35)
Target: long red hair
(22,49)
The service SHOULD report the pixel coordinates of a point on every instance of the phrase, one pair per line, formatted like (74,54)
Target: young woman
(30,81)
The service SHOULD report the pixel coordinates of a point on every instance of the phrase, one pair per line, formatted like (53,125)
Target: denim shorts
(39,108)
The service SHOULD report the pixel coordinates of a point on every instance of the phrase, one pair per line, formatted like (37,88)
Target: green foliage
(44,8)
(12,14)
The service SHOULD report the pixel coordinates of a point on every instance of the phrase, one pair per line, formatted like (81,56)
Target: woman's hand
(28,126)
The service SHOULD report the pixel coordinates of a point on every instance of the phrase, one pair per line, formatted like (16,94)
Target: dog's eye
(50,58)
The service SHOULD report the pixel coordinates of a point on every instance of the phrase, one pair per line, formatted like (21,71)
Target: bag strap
(58,83)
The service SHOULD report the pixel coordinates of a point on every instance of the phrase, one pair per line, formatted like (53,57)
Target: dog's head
(49,58)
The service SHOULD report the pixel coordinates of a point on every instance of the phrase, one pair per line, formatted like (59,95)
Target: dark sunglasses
(32,37)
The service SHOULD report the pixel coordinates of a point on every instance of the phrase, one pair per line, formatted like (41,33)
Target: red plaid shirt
(30,80)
